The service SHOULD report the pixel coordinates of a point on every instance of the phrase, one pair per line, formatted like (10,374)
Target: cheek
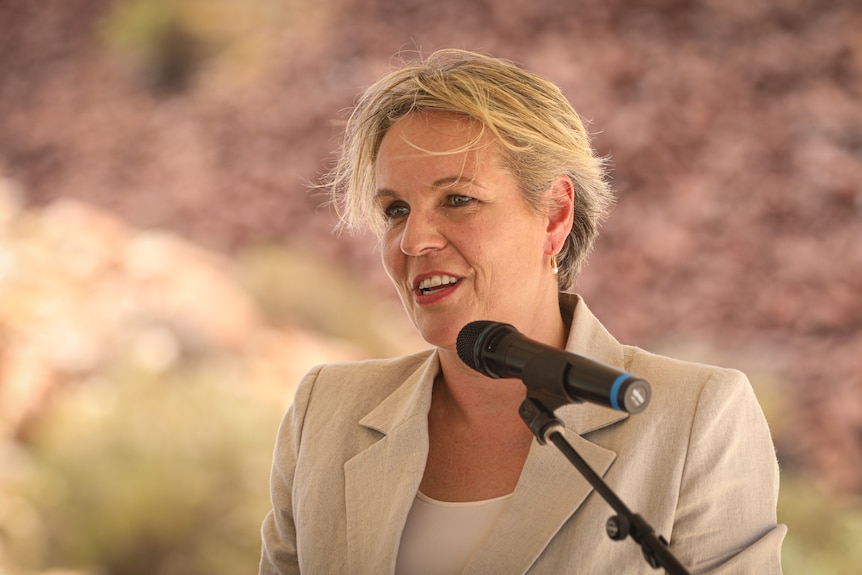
(391,256)
(518,251)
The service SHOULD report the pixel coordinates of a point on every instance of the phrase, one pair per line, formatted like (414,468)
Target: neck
(474,396)
(477,396)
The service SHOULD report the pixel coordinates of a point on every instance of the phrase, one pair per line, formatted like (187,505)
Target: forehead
(434,133)
(441,151)
(435,141)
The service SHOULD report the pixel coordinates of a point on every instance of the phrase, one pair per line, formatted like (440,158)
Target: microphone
(499,350)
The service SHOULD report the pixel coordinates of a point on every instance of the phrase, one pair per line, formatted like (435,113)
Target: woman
(481,182)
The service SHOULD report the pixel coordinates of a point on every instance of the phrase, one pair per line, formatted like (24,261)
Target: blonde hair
(542,137)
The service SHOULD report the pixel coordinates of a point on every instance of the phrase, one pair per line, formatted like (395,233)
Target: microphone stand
(545,426)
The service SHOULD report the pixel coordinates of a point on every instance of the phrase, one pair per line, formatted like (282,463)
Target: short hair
(541,137)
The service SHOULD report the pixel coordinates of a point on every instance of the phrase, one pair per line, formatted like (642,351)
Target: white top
(440,537)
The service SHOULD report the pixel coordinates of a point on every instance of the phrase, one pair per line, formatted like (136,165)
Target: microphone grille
(467,338)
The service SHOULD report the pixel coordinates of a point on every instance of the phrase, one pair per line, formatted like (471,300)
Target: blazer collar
(381,481)
(588,337)
(410,400)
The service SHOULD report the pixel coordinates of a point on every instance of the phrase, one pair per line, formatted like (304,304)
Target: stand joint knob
(618,527)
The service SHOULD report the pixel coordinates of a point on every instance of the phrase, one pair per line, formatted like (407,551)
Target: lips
(431,287)
(433,283)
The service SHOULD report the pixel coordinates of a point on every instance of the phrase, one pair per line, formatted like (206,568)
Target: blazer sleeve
(278,532)
(726,515)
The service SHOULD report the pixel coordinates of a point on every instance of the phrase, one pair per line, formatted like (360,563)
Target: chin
(440,337)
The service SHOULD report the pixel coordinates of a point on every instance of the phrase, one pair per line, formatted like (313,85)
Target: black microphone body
(499,350)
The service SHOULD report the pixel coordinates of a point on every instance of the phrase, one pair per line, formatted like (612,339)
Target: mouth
(434,284)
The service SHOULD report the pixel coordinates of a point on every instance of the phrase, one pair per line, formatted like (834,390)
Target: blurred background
(167,274)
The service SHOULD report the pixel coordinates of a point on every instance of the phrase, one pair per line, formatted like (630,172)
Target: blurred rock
(81,290)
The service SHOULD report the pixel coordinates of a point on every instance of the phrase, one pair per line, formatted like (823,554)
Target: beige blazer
(698,464)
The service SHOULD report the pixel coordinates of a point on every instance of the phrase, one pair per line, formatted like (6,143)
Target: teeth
(436,281)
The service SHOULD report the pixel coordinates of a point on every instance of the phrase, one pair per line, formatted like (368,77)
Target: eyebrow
(450,181)
(384,193)
(440,183)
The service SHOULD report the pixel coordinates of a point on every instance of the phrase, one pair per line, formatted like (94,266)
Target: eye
(458,200)
(396,210)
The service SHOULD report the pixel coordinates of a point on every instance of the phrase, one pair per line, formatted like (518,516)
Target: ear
(561,213)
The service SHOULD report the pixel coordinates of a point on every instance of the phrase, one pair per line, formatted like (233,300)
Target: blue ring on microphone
(615,389)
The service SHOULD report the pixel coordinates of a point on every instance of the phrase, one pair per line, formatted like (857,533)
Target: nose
(421,234)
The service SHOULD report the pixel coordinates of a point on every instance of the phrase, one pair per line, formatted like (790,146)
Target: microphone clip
(541,420)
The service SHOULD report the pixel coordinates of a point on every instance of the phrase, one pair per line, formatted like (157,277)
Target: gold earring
(554,267)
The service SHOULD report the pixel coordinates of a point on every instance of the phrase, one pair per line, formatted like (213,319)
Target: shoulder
(679,384)
(332,399)
(350,389)
(371,368)
(694,392)
(589,336)
(372,377)
(679,373)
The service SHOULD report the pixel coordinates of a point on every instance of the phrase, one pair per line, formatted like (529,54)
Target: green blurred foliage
(824,529)
(144,475)
(158,42)
(141,24)
(166,43)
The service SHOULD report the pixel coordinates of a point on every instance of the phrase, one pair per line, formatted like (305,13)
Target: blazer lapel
(381,481)
(549,491)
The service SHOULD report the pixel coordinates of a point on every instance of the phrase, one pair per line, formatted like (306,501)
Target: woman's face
(460,242)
